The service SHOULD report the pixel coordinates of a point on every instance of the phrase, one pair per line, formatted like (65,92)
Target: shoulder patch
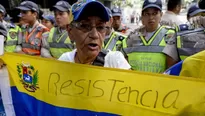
(13,35)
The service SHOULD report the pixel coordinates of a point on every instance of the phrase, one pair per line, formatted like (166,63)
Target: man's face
(88,35)
(47,23)
(109,26)
(1,16)
(178,8)
(28,16)
(116,22)
(151,17)
(62,18)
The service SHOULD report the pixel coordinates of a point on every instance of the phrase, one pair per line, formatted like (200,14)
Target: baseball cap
(193,10)
(152,4)
(62,6)
(28,5)
(116,12)
(49,18)
(2,9)
(87,8)
(109,12)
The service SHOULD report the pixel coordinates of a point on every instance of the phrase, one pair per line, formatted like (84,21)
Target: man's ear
(69,29)
(111,21)
(161,14)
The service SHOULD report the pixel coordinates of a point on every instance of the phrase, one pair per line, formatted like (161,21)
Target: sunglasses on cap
(76,6)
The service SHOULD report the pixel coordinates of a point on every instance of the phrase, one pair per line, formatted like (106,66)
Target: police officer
(48,21)
(145,44)
(113,40)
(12,35)
(117,21)
(57,41)
(3,32)
(188,40)
(194,11)
(30,41)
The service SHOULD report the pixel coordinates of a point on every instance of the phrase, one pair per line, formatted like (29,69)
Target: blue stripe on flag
(26,105)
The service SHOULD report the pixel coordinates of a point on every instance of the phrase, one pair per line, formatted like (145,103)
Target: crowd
(87,32)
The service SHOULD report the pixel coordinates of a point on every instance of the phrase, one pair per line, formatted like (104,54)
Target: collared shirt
(45,50)
(30,29)
(148,35)
(171,19)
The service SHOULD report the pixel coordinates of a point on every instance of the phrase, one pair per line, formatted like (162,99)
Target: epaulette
(11,25)
(169,27)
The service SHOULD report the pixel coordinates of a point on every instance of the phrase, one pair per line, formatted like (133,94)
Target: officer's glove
(198,21)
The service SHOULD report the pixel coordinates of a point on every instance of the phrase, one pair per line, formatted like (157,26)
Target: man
(12,35)
(2,15)
(194,11)
(145,44)
(48,21)
(3,32)
(117,21)
(57,41)
(113,39)
(88,30)
(171,17)
(30,40)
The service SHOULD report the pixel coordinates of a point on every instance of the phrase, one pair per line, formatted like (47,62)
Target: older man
(88,31)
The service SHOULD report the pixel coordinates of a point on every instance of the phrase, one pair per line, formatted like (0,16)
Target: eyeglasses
(87,27)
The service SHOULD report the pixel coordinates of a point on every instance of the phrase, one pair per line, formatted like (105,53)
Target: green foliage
(32,68)
(19,71)
(35,78)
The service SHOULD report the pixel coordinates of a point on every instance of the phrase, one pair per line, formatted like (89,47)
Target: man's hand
(198,21)
(2,64)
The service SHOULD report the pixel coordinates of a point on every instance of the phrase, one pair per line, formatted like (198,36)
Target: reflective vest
(191,42)
(59,43)
(115,42)
(32,41)
(12,39)
(148,56)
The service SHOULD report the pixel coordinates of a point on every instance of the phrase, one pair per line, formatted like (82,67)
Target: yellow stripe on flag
(99,89)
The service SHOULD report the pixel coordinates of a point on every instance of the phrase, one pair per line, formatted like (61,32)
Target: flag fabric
(33,86)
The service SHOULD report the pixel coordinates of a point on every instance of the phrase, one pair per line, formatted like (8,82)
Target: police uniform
(12,35)
(57,42)
(114,40)
(187,41)
(12,38)
(144,50)
(30,38)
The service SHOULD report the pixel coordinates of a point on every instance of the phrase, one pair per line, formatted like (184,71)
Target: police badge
(13,35)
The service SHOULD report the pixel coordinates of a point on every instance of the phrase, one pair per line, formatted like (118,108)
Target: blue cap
(49,18)
(116,12)
(193,10)
(152,4)
(109,12)
(62,6)
(82,10)
(2,9)
(29,5)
